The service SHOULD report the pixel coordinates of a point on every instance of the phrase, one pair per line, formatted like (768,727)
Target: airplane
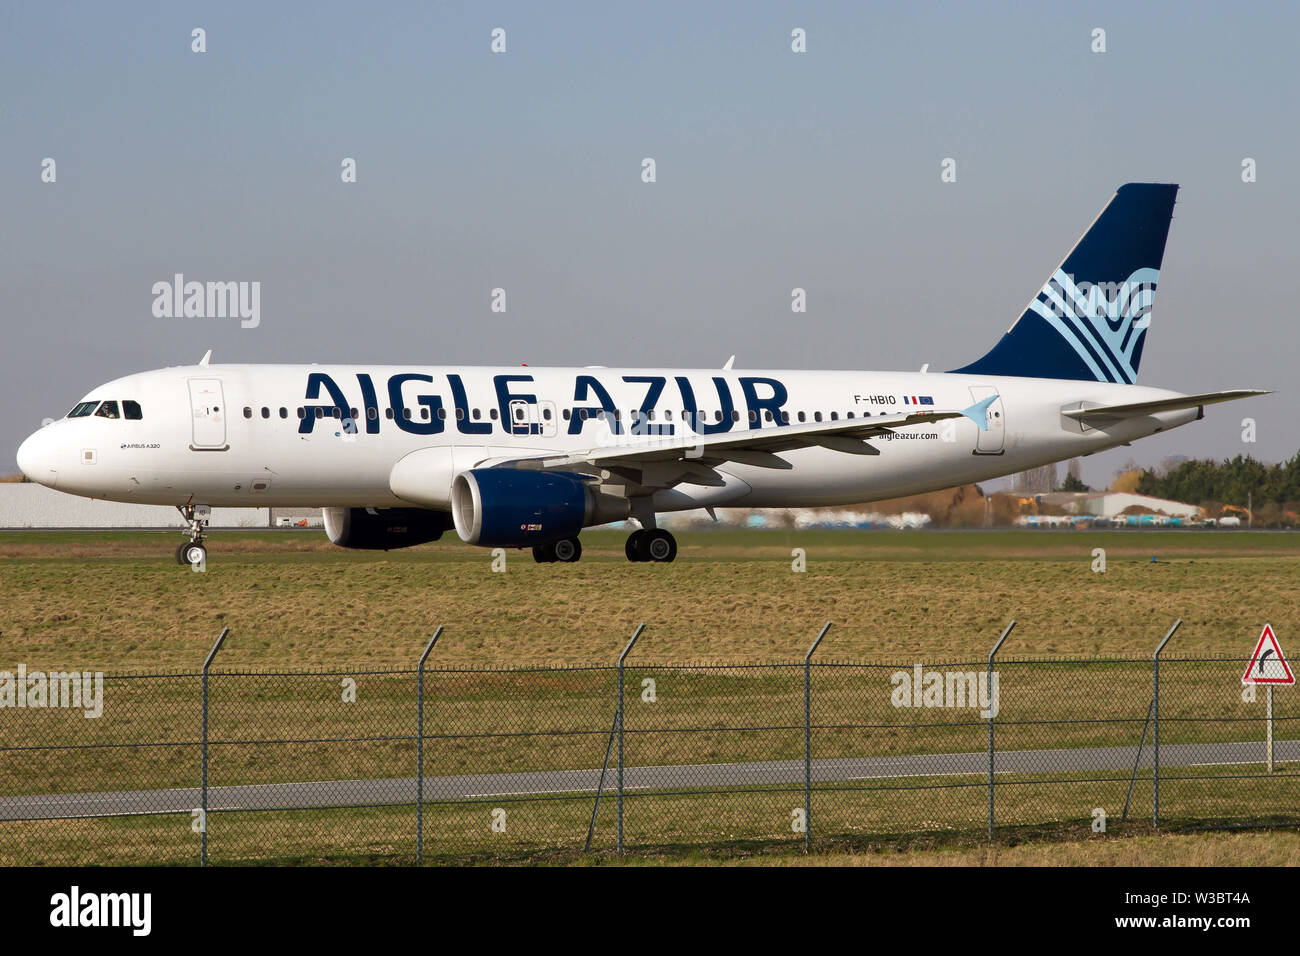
(522,457)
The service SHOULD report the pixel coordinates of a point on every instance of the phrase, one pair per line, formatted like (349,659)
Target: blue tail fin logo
(1089,320)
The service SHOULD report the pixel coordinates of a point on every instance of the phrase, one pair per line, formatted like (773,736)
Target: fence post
(618,715)
(988,690)
(1137,761)
(203,760)
(807,739)
(419,749)
(1155,725)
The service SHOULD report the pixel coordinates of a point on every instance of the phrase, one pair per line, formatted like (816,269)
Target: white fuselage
(217,435)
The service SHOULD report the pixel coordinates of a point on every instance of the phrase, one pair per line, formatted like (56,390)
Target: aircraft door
(208,408)
(548,422)
(991,440)
(523,418)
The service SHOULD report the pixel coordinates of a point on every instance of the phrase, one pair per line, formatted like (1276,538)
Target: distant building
(1110,504)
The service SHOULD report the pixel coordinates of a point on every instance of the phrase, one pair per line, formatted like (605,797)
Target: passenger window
(406,413)
(835,416)
(785,418)
(442,413)
(460,414)
(803,417)
(107,410)
(817,416)
(388,413)
(566,414)
(424,413)
(266,412)
(546,413)
(284,412)
(476,415)
(131,410)
(372,413)
(493,413)
(248,412)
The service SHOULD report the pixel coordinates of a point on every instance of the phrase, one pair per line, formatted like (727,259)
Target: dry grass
(118,599)
(1252,848)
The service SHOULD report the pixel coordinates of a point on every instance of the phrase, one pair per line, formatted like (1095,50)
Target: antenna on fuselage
(203,362)
(730,362)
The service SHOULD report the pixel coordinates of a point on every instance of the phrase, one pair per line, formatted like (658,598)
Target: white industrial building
(1110,504)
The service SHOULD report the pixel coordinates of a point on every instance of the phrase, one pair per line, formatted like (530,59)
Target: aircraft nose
(36,458)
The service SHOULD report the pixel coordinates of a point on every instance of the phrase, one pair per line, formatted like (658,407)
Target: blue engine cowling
(513,508)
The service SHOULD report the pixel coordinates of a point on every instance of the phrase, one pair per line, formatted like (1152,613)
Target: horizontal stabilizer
(1112,413)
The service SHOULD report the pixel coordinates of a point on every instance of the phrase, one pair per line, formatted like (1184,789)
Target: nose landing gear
(192,552)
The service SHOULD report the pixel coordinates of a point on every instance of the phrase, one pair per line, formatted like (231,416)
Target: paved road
(401,790)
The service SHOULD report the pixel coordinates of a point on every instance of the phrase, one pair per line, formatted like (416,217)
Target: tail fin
(1090,319)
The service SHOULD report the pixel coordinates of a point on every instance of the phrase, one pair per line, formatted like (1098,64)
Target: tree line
(1233,481)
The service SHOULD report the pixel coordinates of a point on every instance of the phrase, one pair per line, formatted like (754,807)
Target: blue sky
(522,171)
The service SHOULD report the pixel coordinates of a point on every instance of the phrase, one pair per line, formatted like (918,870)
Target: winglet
(979,412)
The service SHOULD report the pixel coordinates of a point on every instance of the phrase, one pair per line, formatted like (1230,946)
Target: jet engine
(516,508)
(383,529)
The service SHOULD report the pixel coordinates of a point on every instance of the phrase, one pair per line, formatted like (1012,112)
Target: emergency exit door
(990,441)
(208,408)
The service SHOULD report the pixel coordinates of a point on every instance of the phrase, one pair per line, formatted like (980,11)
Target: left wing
(666,461)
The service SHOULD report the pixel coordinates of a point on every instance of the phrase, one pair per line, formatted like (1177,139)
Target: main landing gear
(651,544)
(567,550)
(192,552)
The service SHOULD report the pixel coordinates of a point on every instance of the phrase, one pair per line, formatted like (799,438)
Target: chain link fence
(239,766)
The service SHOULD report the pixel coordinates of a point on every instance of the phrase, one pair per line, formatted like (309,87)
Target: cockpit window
(107,410)
(82,409)
(131,410)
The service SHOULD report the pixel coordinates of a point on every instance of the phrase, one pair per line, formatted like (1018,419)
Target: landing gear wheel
(192,552)
(660,546)
(544,553)
(635,546)
(567,550)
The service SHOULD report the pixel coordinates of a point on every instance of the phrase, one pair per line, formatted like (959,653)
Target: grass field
(117,599)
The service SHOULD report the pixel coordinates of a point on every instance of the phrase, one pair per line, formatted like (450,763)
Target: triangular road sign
(1268,665)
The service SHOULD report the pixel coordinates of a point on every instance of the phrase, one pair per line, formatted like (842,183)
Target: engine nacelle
(515,508)
(383,529)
